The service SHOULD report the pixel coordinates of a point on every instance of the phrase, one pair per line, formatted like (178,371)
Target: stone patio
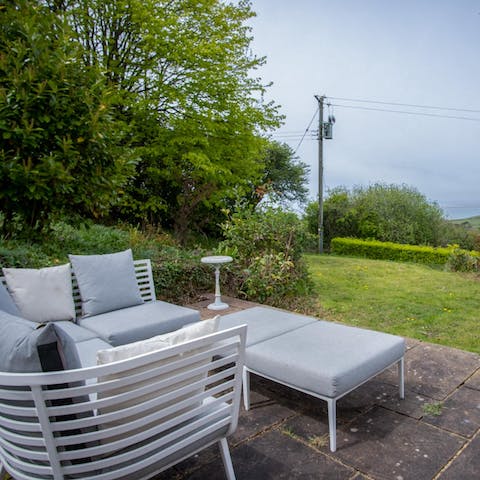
(433,434)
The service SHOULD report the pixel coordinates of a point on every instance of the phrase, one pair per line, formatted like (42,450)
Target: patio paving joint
(263,431)
(454,457)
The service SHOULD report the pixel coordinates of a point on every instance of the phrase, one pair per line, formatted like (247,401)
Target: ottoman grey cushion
(264,323)
(325,358)
(139,322)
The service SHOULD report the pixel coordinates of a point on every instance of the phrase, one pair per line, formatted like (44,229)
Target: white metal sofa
(126,325)
(128,419)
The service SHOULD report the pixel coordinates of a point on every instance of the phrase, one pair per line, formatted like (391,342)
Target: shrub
(267,245)
(463,261)
(394,213)
(249,232)
(62,150)
(178,274)
(390,251)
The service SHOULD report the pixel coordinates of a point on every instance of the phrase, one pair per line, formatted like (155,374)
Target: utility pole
(320,100)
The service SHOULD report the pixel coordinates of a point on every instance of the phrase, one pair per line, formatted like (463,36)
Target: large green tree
(284,177)
(59,143)
(185,72)
(395,213)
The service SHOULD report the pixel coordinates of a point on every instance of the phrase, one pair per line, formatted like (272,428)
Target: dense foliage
(267,244)
(453,257)
(184,73)
(178,274)
(59,143)
(148,112)
(394,213)
(390,251)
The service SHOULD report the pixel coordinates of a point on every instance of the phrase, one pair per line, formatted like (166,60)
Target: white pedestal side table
(217,261)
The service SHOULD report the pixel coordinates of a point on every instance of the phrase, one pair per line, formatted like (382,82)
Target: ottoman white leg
(332,423)
(246,388)
(401,377)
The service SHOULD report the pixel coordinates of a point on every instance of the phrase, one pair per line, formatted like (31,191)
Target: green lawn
(473,221)
(402,298)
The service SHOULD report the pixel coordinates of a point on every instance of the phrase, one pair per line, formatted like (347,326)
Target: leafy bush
(249,232)
(273,278)
(463,261)
(178,274)
(61,150)
(390,251)
(267,245)
(382,212)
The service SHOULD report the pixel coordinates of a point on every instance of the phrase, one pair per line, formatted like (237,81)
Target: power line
(306,130)
(406,112)
(406,105)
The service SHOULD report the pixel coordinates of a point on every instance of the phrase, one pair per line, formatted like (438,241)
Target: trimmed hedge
(395,251)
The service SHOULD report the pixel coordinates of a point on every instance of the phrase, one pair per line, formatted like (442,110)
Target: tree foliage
(60,145)
(283,178)
(390,213)
(184,71)
(87,85)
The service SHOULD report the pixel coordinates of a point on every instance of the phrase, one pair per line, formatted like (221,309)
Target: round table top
(216,259)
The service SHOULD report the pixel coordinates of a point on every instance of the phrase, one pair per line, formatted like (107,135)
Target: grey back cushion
(106,282)
(27,346)
(6,302)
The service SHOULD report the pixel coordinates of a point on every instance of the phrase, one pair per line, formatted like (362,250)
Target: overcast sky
(421,52)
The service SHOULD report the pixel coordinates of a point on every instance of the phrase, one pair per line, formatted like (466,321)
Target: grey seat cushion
(76,332)
(264,323)
(325,358)
(87,351)
(140,322)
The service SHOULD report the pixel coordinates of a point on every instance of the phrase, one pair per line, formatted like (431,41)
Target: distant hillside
(472,222)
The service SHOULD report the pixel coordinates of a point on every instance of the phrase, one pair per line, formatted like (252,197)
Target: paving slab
(436,371)
(387,445)
(263,414)
(276,456)
(234,305)
(386,395)
(467,465)
(460,413)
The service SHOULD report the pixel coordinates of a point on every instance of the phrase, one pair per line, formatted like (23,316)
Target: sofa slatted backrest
(128,419)
(144,276)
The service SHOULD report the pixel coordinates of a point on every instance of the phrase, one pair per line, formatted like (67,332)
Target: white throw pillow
(184,334)
(42,295)
(123,352)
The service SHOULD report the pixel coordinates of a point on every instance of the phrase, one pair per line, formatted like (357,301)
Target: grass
(473,221)
(405,299)
(433,409)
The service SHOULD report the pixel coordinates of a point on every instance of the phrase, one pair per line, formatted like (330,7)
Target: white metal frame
(133,418)
(331,401)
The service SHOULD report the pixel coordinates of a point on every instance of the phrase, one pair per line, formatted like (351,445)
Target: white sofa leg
(401,377)
(227,460)
(246,388)
(332,423)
